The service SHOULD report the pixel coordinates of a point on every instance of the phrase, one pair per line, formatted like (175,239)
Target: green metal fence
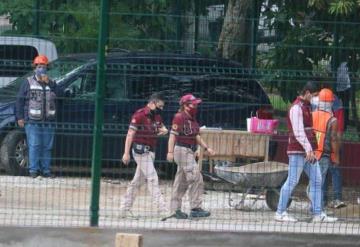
(239,59)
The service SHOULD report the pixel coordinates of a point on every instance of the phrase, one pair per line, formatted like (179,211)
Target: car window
(229,90)
(115,82)
(226,90)
(141,87)
(83,85)
(15,60)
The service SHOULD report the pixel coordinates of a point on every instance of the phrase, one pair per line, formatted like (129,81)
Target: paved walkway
(83,237)
(64,202)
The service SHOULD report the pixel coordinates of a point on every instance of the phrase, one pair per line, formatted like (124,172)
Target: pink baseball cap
(189,98)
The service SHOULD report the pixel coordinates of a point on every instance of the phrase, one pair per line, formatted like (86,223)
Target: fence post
(36,18)
(254,31)
(99,116)
(335,51)
(178,25)
(197,20)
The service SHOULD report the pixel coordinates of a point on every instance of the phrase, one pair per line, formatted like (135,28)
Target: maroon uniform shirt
(294,147)
(185,128)
(146,126)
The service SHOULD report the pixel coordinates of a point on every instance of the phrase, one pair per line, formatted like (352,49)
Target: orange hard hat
(326,95)
(41,59)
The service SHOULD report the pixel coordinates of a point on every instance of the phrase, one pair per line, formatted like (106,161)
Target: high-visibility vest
(41,101)
(321,121)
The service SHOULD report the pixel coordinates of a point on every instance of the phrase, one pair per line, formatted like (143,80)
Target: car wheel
(14,153)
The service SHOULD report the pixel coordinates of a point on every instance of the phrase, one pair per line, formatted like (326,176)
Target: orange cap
(41,59)
(326,95)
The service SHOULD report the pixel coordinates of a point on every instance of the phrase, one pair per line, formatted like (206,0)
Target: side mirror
(68,93)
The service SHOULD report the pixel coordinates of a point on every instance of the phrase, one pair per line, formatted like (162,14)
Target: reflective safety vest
(321,120)
(41,101)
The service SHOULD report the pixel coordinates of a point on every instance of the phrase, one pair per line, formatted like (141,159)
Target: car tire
(13,153)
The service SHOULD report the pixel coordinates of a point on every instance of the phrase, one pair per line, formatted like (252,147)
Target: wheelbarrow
(255,178)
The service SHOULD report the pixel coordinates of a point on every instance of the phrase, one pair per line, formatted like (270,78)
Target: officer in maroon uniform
(146,124)
(183,141)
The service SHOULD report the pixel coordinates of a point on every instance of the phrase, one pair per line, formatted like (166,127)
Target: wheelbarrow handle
(213,176)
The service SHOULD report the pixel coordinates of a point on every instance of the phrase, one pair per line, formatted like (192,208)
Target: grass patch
(278,103)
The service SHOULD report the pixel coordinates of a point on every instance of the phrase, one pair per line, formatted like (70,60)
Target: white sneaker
(163,212)
(323,218)
(284,217)
(126,213)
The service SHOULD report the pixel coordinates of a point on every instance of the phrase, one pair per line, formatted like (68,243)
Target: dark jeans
(335,172)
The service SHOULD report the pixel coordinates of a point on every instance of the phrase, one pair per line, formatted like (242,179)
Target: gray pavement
(83,237)
(64,202)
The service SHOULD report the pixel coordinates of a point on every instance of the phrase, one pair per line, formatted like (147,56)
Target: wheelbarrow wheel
(272,198)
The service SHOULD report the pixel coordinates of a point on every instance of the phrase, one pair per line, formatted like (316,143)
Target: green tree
(236,34)
(72,29)
(308,32)
(73,25)
(134,24)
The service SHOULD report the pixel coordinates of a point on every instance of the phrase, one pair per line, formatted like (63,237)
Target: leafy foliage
(73,25)
(307,37)
(342,7)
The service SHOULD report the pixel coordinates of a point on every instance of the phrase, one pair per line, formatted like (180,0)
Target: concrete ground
(83,237)
(65,201)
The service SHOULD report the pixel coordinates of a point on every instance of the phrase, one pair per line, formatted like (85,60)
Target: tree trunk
(189,29)
(235,38)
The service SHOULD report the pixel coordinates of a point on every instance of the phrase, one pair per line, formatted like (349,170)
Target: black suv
(228,99)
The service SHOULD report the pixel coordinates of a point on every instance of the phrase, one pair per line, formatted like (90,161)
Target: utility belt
(142,148)
(193,147)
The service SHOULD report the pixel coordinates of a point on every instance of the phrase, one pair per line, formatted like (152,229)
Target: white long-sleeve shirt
(297,123)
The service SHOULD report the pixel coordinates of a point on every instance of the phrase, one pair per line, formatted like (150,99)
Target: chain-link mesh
(173,49)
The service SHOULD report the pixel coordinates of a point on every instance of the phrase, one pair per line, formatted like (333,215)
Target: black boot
(34,174)
(180,215)
(199,212)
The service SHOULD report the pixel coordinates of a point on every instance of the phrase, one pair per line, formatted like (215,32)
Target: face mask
(192,111)
(314,102)
(40,71)
(156,111)
(325,106)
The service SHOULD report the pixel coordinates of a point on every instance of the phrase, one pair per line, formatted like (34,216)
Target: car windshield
(211,90)
(58,70)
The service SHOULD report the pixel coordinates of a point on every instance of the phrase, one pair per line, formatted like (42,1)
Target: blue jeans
(297,164)
(40,139)
(324,164)
(336,183)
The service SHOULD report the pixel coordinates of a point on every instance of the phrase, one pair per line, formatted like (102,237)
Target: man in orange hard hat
(301,146)
(326,131)
(36,110)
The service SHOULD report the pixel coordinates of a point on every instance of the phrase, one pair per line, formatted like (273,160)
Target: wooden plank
(229,144)
(128,240)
